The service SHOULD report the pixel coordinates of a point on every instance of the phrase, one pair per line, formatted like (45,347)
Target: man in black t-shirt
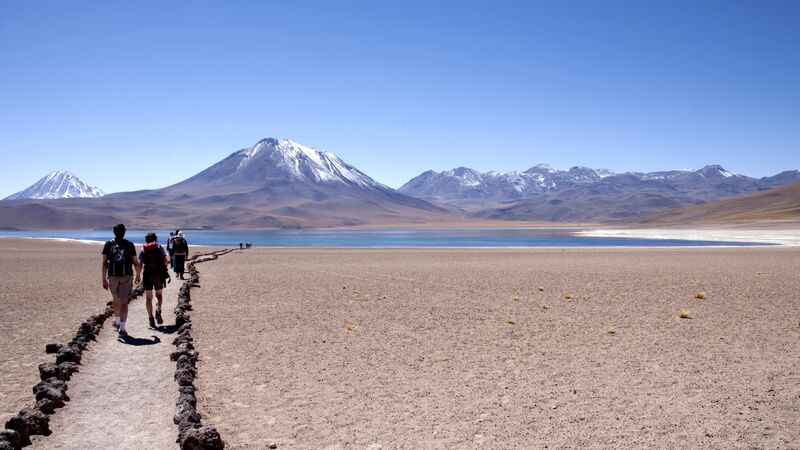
(119,262)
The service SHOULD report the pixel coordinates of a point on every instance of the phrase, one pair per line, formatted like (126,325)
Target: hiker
(154,259)
(171,249)
(241,246)
(119,261)
(181,253)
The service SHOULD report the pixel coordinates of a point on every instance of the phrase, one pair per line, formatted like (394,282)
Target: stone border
(192,434)
(51,392)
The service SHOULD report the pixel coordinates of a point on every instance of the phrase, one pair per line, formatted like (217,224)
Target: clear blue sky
(136,95)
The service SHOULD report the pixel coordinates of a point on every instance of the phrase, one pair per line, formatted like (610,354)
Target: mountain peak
(58,184)
(541,168)
(273,160)
(715,170)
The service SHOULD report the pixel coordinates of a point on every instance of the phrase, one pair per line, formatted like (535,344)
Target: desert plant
(700,295)
(611,330)
(568,296)
(350,327)
(684,314)
(510,321)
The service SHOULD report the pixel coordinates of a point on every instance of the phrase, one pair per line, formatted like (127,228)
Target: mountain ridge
(281,183)
(274,183)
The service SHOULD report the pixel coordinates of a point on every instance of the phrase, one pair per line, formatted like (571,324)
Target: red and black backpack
(153,258)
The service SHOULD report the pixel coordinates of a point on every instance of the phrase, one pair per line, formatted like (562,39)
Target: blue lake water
(494,237)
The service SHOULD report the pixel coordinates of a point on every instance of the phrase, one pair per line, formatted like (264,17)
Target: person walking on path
(119,262)
(181,253)
(154,259)
(171,249)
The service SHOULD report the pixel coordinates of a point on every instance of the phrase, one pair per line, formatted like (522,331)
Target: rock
(28,422)
(68,368)
(68,354)
(187,389)
(49,370)
(55,383)
(186,401)
(273,445)
(9,439)
(203,438)
(79,342)
(183,339)
(186,422)
(184,377)
(52,348)
(49,406)
(50,393)
(181,318)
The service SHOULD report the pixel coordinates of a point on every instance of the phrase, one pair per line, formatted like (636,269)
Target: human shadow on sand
(130,340)
(167,329)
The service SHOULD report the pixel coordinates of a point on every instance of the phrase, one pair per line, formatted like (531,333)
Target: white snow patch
(782,237)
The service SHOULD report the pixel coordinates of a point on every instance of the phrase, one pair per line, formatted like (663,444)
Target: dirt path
(124,395)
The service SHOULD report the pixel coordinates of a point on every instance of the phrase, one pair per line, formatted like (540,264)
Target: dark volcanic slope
(780,203)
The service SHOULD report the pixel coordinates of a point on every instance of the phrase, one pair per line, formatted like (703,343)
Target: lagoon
(388,238)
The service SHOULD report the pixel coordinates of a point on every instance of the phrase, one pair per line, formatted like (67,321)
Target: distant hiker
(171,249)
(181,253)
(241,246)
(119,260)
(154,259)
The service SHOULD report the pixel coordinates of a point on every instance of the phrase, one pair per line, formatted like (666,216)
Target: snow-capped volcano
(59,184)
(272,161)
(302,163)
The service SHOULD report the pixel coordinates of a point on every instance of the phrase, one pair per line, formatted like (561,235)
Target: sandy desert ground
(315,348)
(438,348)
(47,288)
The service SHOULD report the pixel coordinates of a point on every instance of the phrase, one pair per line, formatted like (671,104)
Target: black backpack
(117,259)
(181,245)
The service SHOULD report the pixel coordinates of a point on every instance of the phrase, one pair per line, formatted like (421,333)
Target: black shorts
(152,281)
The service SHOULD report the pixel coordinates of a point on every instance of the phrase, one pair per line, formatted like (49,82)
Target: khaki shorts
(121,287)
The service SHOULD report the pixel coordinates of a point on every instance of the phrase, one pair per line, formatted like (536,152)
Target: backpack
(180,245)
(117,258)
(153,259)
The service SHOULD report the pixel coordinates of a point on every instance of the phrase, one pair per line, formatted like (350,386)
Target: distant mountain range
(467,186)
(581,194)
(280,183)
(58,184)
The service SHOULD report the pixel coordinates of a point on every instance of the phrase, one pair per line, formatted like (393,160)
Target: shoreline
(781,237)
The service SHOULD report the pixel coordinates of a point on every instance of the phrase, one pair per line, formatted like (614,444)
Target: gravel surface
(316,348)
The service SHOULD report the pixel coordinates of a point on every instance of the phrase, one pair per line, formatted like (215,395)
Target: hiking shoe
(158,317)
(152,322)
(122,334)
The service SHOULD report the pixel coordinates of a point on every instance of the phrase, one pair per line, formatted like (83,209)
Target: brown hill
(780,203)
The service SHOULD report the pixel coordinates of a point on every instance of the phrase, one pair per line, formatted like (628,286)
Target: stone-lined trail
(124,395)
